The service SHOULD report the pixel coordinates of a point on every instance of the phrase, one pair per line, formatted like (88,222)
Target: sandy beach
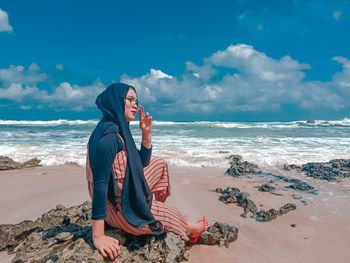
(321,232)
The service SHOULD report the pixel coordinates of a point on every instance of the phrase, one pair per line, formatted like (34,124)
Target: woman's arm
(145,154)
(106,245)
(102,152)
(146,139)
(146,144)
(101,156)
(98,228)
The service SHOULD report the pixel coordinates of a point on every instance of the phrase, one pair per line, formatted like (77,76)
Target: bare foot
(198,228)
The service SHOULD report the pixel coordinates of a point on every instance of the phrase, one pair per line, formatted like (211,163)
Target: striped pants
(157,177)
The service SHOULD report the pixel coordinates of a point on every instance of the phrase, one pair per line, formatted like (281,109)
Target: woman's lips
(133,112)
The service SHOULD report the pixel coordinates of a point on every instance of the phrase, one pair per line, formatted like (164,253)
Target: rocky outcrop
(330,171)
(234,195)
(239,167)
(64,235)
(219,234)
(296,184)
(271,214)
(310,121)
(266,188)
(7,163)
(291,167)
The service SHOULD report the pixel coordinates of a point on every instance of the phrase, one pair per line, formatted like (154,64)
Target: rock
(266,216)
(219,190)
(223,151)
(31,163)
(310,121)
(7,163)
(74,164)
(234,195)
(247,204)
(228,195)
(286,208)
(64,235)
(297,184)
(290,167)
(300,185)
(219,234)
(176,247)
(11,234)
(266,188)
(271,214)
(237,167)
(333,170)
(330,171)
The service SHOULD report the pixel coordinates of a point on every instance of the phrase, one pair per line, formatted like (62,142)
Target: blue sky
(240,60)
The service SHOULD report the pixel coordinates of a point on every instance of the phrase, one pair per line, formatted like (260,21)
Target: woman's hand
(145,122)
(107,246)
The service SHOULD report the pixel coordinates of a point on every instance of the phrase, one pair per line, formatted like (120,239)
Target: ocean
(187,144)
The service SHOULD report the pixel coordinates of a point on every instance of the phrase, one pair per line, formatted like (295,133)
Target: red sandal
(194,239)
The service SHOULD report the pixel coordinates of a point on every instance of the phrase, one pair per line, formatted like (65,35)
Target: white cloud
(337,14)
(254,64)
(20,85)
(4,22)
(342,79)
(18,74)
(68,96)
(236,79)
(257,83)
(17,92)
(205,72)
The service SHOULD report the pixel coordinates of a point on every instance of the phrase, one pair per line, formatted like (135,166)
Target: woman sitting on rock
(123,180)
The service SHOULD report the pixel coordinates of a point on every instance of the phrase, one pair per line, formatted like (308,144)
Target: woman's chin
(130,118)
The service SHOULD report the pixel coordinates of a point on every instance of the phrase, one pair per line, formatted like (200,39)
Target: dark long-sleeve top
(101,170)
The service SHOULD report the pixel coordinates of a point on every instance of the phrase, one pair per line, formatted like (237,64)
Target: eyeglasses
(133,102)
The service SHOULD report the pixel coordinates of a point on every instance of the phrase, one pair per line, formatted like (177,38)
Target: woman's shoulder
(106,135)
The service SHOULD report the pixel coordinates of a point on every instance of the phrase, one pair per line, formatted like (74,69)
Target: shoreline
(320,234)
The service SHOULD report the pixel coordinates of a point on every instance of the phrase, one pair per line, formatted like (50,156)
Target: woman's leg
(175,221)
(157,177)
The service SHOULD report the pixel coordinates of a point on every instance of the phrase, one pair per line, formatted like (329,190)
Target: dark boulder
(266,216)
(239,167)
(286,208)
(290,167)
(219,234)
(266,188)
(7,163)
(271,214)
(296,184)
(234,195)
(330,171)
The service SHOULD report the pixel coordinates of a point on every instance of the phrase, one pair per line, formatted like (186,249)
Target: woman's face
(130,105)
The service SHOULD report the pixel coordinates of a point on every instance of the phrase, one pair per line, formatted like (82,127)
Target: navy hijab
(136,195)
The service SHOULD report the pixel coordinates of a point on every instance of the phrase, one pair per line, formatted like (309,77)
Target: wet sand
(322,232)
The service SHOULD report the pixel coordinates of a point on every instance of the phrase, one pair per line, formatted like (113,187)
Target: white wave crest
(240,125)
(48,123)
